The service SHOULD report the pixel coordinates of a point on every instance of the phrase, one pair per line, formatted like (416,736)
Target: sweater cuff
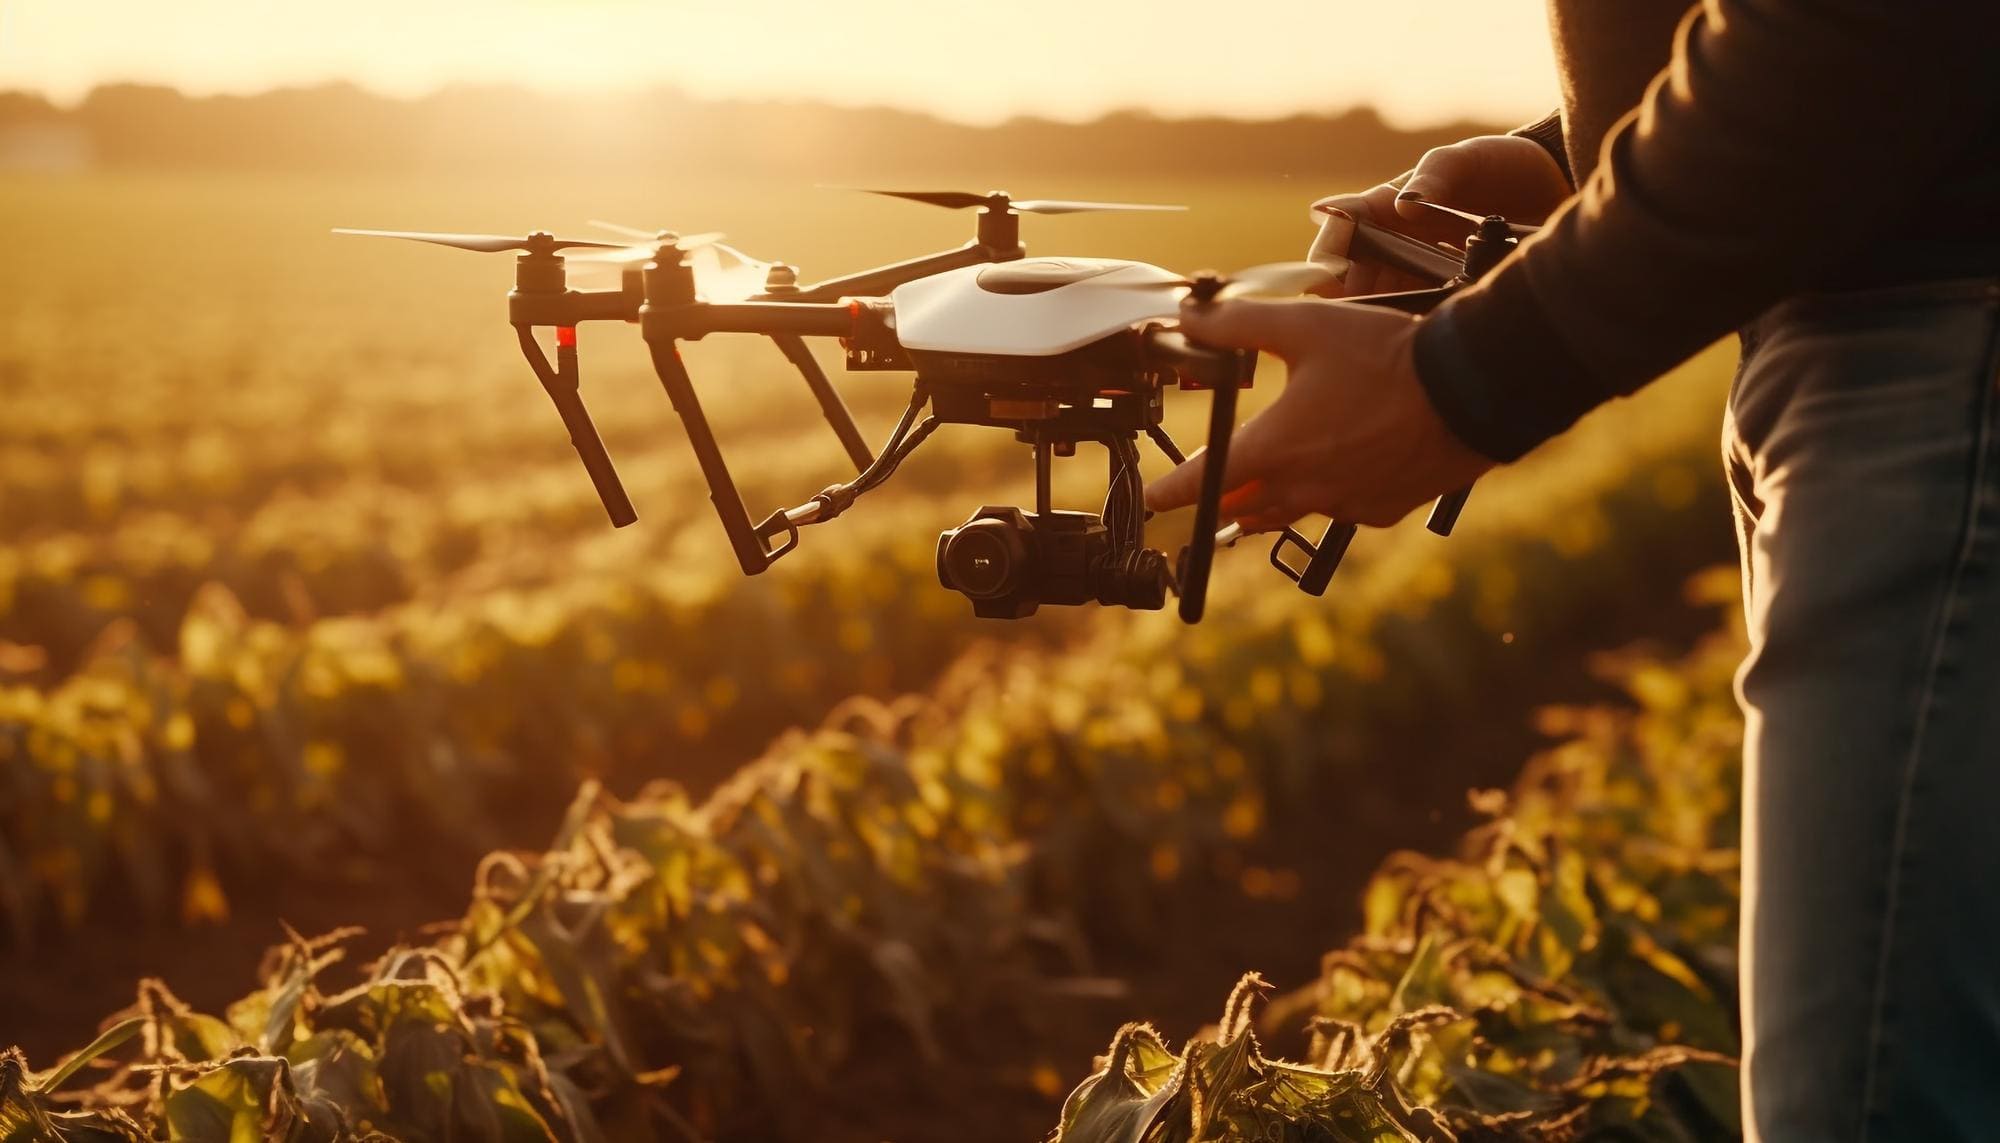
(1548,134)
(1497,371)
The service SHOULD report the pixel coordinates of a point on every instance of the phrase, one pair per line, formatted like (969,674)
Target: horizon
(1106,62)
(669,92)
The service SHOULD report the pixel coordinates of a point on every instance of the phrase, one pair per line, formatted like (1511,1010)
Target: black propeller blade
(1271,280)
(999,200)
(539,242)
(646,250)
(1517,229)
(1073,206)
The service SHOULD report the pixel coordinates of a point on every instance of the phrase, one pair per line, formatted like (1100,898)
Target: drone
(1060,351)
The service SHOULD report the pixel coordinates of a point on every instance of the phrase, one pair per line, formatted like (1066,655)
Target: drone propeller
(652,239)
(631,231)
(1271,280)
(723,273)
(1073,206)
(649,249)
(540,242)
(999,200)
(1517,229)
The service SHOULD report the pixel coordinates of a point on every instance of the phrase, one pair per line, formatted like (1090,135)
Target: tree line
(340,127)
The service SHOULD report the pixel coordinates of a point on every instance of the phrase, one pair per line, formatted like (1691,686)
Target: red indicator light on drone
(565,337)
(853,324)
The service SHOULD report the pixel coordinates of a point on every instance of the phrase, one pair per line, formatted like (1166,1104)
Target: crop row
(341,743)
(1570,974)
(460,722)
(367,544)
(679,970)
(886,884)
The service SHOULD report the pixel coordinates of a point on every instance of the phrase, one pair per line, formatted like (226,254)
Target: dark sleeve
(1780,133)
(1548,135)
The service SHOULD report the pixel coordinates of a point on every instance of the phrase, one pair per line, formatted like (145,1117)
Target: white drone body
(1032,307)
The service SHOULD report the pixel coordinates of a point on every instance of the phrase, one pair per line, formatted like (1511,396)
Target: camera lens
(983,559)
(1135,579)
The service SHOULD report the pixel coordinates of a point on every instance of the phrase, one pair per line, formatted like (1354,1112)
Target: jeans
(1864,462)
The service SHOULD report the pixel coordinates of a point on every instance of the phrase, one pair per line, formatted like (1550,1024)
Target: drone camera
(1009,562)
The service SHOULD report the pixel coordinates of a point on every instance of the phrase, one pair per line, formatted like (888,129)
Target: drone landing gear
(1322,559)
(564,387)
(794,348)
(754,544)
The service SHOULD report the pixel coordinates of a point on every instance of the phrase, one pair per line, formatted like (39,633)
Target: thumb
(1332,245)
(1274,326)
(1250,452)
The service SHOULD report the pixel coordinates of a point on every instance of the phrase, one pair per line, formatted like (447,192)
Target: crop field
(309,617)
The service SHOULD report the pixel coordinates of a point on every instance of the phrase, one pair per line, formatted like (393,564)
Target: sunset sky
(974,61)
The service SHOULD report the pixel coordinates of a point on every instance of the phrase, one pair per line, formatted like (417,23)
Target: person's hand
(1489,174)
(1353,436)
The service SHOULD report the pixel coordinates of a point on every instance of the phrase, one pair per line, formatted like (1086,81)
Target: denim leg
(1744,507)
(1871,912)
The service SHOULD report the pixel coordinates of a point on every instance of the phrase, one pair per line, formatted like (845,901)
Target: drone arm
(882,279)
(561,308)
(694,320)
(564,388)
(1196,364)
(794,348)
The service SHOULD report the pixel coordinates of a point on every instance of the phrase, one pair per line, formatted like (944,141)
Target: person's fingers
(1260,506)
(1281,327)
(1335,215)
(1330,249)
(1180,487)
(1349,204)
(1338,216)
(1377,203)
(1386,280)
(1361,278)
(1250,496)
(1282,496)
(1266,520)
(1441,175)
(1367,278)
(1492,174)
(1252,452)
